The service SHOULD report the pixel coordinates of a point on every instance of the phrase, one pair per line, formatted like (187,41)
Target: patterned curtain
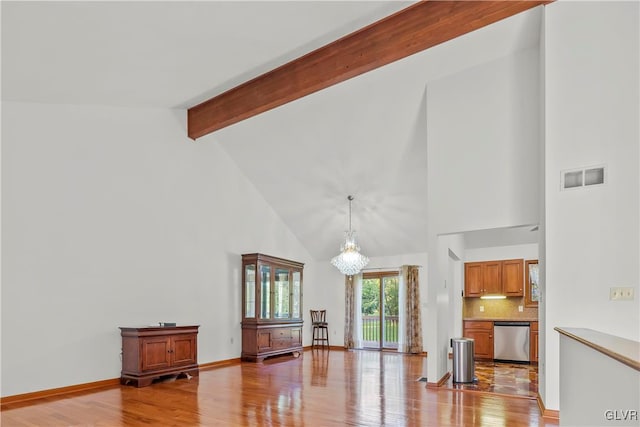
(352,310)
(349,311)
(412,342)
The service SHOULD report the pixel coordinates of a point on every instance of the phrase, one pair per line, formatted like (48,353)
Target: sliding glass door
(380,310)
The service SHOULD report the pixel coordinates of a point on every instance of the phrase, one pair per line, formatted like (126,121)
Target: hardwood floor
(322,388)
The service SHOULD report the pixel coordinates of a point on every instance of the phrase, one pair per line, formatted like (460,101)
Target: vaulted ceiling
(364,136)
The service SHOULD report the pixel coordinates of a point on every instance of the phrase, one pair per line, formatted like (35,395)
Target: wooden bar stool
(320,328)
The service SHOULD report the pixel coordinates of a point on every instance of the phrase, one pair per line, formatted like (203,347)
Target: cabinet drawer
(279,343)
(281,333)
(478,324)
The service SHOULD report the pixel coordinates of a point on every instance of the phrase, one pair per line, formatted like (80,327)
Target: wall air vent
(594,176)
(580,178)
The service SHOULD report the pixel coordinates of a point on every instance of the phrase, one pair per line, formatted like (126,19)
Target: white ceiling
(365,136)
(160,53)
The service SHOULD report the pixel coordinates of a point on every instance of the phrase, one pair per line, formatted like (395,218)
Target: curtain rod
(388,268)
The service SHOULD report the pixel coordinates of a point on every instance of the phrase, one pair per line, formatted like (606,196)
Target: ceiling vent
(584,177)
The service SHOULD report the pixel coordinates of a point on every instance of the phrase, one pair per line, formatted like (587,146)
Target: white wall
(618,385)
(542,226)
(324,290)
(482,138)
(449,248)
(528,251)
(483,145)
(455,284)
(592,117)
(112,217)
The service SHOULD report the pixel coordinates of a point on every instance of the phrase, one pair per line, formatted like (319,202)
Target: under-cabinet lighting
(494,297)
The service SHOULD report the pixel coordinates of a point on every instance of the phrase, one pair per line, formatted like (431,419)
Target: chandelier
(350,261)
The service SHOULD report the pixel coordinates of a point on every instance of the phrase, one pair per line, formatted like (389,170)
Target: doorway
(379,312)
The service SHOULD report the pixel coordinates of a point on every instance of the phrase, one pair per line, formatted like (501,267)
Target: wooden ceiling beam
(418,27)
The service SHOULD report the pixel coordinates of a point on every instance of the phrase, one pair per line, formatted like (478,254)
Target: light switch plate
(520,308)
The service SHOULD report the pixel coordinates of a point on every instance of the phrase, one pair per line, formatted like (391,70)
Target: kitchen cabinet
(473,283)
(513,277)
(482,334)
(531,290)
(271,307)
(149,353)
(533,342)
(500,277)
(482,278)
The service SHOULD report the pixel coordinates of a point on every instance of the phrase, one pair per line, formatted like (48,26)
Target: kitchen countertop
(494,319)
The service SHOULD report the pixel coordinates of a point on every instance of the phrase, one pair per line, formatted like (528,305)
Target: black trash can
(463,360)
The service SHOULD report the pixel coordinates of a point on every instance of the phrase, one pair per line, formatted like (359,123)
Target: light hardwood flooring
(321,388)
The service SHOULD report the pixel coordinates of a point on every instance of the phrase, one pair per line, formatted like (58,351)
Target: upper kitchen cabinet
(532,293)
(482,278)
(473,283)
(502,277)
(512,277)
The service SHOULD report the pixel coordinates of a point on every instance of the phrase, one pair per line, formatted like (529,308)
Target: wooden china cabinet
(271,307)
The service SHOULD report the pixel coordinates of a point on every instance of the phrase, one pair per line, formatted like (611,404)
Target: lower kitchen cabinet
(533,342)
(482,334)
(153,352)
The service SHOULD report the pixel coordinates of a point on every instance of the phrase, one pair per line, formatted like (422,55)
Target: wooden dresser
(150,353)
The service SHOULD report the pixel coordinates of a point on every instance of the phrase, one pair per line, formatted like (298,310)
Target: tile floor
(512,379)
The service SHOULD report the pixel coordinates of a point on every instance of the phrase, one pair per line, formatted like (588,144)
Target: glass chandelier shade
(350,261)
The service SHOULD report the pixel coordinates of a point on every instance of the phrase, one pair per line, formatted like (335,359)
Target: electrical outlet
(627,294)
(482,309)
(615,294)
(621,294)
(520,309)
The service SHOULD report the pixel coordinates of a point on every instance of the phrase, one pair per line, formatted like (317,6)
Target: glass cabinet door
(250,291)
(265,292)
(296,309)
(281,294)
(531,290)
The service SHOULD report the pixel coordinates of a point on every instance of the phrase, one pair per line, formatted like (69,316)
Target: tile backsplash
(498,309)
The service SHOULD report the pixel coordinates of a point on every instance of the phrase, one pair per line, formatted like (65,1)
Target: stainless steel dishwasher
(511,341)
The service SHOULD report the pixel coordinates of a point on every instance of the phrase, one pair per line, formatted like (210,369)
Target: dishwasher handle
(512,323)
